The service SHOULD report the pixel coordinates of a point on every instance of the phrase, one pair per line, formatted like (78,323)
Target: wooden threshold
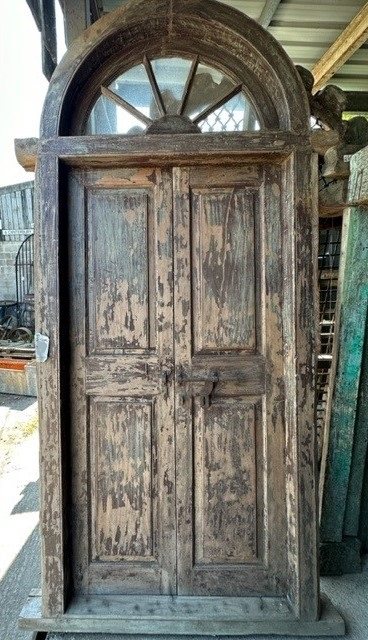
(180,615)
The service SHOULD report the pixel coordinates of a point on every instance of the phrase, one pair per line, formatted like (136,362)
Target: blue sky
(23,86)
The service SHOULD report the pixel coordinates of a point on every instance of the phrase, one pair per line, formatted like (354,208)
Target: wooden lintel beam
(268,12)
(353,36)
(26,152)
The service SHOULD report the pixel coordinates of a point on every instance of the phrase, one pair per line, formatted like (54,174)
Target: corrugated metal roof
(306,30)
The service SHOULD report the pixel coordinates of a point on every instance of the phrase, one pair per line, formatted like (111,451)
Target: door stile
(274,398)
(184,406)
(306,209)
(79,410)
(166,527)
(301,329)
(52,434)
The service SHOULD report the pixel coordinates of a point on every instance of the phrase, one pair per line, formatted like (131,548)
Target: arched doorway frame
(221,35)
(237,44)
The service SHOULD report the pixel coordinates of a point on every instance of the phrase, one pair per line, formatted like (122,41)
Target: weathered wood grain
(198,432)
(52,437)
(300,326)
(118,269)
(225,466)
(306,318)
(355,494)
(223,264)
(122,436)
(271,297)
(228,148)
(268,236)
(180,615)
(363,519)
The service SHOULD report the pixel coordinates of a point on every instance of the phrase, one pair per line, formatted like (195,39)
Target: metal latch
(208,384)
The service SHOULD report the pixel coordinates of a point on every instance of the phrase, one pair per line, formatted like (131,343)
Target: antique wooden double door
(177,393)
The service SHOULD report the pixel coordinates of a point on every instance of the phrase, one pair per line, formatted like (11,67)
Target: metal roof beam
(353,36)
(268,12)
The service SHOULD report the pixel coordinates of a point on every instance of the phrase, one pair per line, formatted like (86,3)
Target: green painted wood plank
(353,303)
(359,453)
(337,558)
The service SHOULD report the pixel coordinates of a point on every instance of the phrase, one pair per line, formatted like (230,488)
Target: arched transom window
(172,95)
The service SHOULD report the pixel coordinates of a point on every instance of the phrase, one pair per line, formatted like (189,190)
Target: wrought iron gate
(24,273)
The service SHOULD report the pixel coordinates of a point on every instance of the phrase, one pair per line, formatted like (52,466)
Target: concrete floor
(19,540)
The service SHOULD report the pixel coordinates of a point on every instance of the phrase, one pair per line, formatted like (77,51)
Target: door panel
(121,454)
(118,279)
(225,528)
(223,269)
(229,415)
(123,442)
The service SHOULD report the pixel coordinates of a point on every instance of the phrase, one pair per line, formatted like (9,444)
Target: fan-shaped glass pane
(173,94)
(171,75)
(209,85)
(107,117)
(135,88)
(235,115)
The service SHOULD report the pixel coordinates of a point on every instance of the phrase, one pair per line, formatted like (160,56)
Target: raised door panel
(122,389)
(121,482)
(223,269)
(225,483)
(119,270)
(229,411)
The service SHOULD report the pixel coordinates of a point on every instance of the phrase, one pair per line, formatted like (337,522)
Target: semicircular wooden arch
(221,36)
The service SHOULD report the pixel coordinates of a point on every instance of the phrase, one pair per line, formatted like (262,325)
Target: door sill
(180,615)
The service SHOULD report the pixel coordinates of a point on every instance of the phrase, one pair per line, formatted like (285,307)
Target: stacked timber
(344,477)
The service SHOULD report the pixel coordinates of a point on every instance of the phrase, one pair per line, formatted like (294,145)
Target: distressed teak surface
(132,460)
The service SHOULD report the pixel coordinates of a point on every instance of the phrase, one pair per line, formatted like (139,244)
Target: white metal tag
(42,344)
